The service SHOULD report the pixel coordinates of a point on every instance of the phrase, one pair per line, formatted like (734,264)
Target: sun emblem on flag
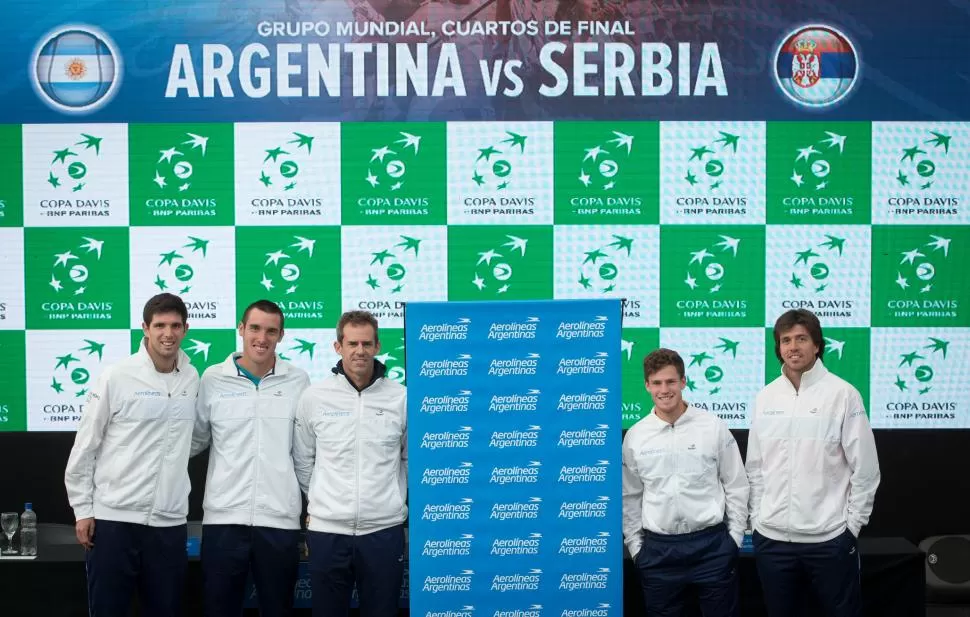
(76,69)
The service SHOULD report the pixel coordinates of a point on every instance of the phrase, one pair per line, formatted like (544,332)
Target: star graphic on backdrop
(301,141)
(90,141)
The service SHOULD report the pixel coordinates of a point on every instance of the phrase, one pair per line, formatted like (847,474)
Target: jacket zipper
(252,508)
(256,423)
(360,410)
(791,463)
(672,454)
(161,464)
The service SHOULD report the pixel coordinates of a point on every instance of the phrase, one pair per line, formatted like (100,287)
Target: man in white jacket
(813,471)
(127,476)
(350,449)
(252,502)
(685,498)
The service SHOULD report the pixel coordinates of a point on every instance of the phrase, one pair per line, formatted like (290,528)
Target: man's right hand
(84,529)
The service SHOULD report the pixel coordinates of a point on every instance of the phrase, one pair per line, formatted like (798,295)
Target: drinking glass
(9,522)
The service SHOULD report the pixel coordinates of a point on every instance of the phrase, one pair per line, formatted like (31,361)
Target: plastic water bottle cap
(28,506)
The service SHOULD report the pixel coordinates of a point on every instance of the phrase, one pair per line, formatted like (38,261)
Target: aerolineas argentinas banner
(514,458)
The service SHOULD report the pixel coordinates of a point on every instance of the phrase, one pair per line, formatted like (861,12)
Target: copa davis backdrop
(712,166)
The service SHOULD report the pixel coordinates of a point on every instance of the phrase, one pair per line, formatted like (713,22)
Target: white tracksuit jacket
(249,430)
(130,457)
(811,463)
(351,455)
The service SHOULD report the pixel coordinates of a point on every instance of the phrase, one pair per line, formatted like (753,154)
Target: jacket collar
(809,377)
(282,367)
(181,359)
(379,371)
(684,418)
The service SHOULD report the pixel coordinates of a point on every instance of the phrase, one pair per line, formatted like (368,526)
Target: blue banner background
(477,521)
(910,62)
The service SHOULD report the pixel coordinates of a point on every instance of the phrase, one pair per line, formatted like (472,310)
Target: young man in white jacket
(127,476)
(252,500)
(813,471)
(350,448)
(685,498)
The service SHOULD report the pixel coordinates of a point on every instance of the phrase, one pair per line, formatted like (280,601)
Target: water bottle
(28,531)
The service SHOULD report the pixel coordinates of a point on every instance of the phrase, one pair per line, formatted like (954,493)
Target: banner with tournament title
(709,167)
(514,468)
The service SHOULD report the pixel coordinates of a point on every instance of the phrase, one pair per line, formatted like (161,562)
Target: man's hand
(84,529)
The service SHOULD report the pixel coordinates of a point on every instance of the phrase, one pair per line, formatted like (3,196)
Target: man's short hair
(164,303)
(799,317)
(267,306)
(662,358)
(356,318)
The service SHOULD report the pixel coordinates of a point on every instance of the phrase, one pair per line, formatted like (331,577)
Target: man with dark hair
(813,471)
(350,449)
(252,500)
(685,498)
(127,476)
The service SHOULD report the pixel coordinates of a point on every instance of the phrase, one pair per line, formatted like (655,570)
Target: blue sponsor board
(514,433)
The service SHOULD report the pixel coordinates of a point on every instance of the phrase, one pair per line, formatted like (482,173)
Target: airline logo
(585,581)
(457,331)
(458,367)
(447,439)
(514,330)
(446,403)
(528,438)
(571,330)
(516,474)
(584,401)
(462,581)
(518,545)
(584,438)
(516,510)
(437,476)
(596,544)
(598,508)
(460,510)
(520,581)
(527,365)
(584,474)
(448,547)
(583,365)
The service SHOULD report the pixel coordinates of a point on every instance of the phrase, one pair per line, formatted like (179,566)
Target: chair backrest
(947,568)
